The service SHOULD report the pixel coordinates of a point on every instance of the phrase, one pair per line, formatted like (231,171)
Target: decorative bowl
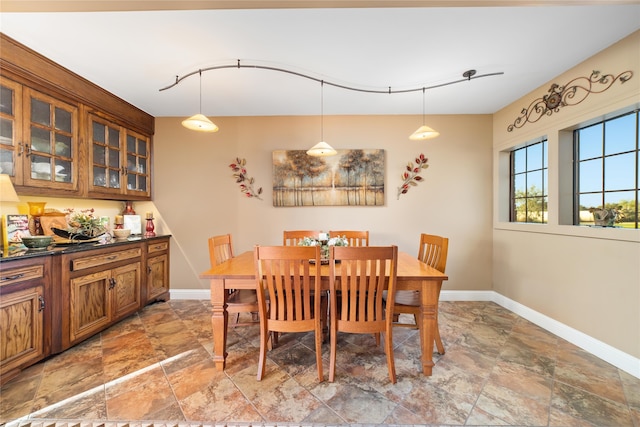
(121,233)
(37,242)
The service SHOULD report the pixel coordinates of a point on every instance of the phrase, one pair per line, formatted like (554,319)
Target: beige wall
(586,278)
(197,196)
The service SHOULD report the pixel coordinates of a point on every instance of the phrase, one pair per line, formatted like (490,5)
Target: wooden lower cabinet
(98,299)
(24,314)
(103,286)
(158,270)
(51,302)
(89,305)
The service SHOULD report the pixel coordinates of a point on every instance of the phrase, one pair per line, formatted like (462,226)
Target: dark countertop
(15,252)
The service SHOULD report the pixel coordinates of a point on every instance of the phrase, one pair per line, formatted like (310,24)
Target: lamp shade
(423,132)
(7,192)
(201,123)
(322,149)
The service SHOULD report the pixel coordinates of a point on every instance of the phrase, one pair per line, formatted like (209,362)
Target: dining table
(239,273)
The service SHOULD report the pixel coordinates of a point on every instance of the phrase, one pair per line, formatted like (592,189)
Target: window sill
(583,231)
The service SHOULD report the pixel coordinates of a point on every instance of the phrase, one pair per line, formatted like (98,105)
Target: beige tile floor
(499,369)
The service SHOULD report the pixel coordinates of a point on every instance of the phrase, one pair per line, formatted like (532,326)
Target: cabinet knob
(41,299)
(112,283)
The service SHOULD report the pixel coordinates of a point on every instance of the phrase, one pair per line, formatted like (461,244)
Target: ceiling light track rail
(467,76)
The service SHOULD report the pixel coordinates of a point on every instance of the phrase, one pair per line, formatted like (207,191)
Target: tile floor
(499,369)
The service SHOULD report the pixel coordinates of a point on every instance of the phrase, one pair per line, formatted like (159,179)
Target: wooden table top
(242,267)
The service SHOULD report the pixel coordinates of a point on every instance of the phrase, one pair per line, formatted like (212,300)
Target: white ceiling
(135,53)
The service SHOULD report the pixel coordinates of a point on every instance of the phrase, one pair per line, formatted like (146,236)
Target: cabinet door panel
(138,164)
(127,289)
(51,137)
(11,129)
(90,304)
(105,156)
(21,324)
(158,276)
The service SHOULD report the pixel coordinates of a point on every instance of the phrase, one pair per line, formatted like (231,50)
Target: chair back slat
(355,237)
(220,249)
(433,251)
(287,282)
(294,237)
(363,277)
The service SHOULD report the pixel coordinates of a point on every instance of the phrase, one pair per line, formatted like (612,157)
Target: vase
(36,208)
(128,208)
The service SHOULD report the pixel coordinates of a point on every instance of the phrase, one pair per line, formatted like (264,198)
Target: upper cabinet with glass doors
(50,142)
(38,138)
(120,159)
(10,128)
(61,135)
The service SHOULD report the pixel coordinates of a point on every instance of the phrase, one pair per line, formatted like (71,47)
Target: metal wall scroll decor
(572,93)
(410,176)
(245,182)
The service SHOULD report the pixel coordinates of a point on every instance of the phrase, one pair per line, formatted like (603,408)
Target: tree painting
(350,178)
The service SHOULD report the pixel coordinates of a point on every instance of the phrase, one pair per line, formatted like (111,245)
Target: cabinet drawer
(94,261)
(21,274)
(158,247)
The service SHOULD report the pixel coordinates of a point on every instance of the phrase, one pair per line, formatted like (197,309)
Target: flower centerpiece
(324,242)
(83,223)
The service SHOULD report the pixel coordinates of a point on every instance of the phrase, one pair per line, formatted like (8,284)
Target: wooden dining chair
(433,251)
(361,276)
(238,300)
(294,237)
(284,278)
(355,237)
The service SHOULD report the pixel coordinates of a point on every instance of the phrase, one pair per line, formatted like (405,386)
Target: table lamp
(7,192)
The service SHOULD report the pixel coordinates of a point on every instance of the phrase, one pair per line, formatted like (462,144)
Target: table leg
(219,320)
(429,307)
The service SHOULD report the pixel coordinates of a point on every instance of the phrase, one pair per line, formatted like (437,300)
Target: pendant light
(199,121)
(322,149)
(424,131)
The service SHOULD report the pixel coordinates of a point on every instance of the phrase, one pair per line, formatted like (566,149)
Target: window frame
(543,170)
(603,191)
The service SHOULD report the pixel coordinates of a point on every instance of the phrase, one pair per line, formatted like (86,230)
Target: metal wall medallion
(572,93)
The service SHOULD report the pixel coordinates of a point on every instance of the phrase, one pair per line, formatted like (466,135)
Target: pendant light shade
(322,149)
(424,131)
(199,121)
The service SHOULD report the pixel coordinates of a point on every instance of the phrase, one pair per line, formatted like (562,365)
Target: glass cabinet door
(138,164)
(105,154)
(11,149)
(51,142)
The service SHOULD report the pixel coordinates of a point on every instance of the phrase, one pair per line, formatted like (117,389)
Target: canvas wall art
(350,178)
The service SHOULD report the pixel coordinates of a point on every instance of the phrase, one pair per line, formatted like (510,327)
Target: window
(607,173)
(529,183)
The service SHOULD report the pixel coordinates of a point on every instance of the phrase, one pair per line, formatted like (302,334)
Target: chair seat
(243,297)
(407,298)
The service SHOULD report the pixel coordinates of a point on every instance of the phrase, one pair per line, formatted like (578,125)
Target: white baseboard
(190,293)
(609,354)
